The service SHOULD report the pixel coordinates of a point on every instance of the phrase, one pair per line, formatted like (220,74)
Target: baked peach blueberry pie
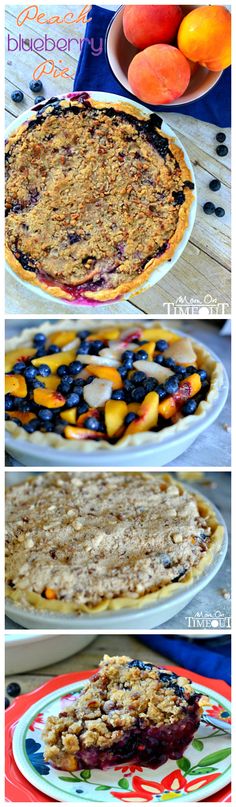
(109,386)
(97,196)
(129,711)
(76,544)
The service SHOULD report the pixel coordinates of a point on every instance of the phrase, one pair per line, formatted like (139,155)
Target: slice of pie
(97,196)
(88,542)
(106,386)
(129,711)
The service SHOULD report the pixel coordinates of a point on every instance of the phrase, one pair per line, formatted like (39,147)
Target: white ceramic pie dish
(164,267)
(120,53)
(151,616)
(155,455)
(29,650)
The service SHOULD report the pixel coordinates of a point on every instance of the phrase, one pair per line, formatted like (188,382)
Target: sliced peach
(16,385)
(70,415)
(62,338)
(147,415)
(48,398)
(115,412)
(55,360)
(182,352)
(149,347)
(108,373)
(106,333)
(19,354)
(24,417)
(187,388)
(159,333)
(133,407)
(78,433)
(50,382)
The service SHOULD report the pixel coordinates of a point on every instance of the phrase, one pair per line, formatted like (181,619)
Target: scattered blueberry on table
(35,86)
(39,99)
(17,96)
(215,185)
(13,689)
(219,212)
(222,151)
(7,703)
(209,208)
(221,137)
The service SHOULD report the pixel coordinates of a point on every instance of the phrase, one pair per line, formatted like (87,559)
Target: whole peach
(159,74)
(204,36)
(150,25)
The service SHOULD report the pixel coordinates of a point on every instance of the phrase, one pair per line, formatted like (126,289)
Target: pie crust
(67,268)
(128,711)
(151,558)
(53,440)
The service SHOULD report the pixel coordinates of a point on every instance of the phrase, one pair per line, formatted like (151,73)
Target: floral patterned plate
(204,770)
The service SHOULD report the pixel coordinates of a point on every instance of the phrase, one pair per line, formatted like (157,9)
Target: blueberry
(36,384)
(180,371)
(62,370)
(215,184)
(19,366)
(222,151)
(7,703)
(128,355)
(138,394)
(54,349)
(39,99)
(128,386)
(48,426)
(171,385)
(221,137)
(138,377)
(45,414)
(44,370)
(23,405)
(59,428)
(79,384)
(167,678)
(141,665)
(142,355)
(39,339)
(83,334)
(209,208)
(161,345)
(65,385)
(219,212)
(17,96)
(40,352)
(92,423)
(150,384)
(203,374)
(84,347)
(96,346)
(30,372)
(17,421)
(122,371)
(32,426)
(73,399)
(159,359)
(128,364)
(161,392)
(170,363)
(118,395)
(179,197)
(35,86)
(75,367)
(130,417)
(13,689)
(9,401)
(82,408)
(189,407)
(190,369)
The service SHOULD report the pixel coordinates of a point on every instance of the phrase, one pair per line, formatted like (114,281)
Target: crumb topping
(124,694)
(83,538)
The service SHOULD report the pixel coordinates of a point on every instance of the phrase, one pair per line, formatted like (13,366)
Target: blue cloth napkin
(211,659)
(94,73)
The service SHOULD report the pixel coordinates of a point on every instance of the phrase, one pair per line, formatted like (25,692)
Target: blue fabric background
(208,659)
(94,73)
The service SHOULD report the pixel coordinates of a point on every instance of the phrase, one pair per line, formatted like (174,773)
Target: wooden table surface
(204,267)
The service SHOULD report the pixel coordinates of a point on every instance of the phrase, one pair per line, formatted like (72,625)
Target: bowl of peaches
(108,393)
(169,54)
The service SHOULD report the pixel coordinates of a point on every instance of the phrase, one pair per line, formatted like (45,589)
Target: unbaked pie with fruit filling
(128,711)
(88,542)
(106,386)
(97,196)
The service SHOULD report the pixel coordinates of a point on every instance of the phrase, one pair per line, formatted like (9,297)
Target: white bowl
(157,455)
(151,616)
(120,53)
(29,650)
(161,270)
